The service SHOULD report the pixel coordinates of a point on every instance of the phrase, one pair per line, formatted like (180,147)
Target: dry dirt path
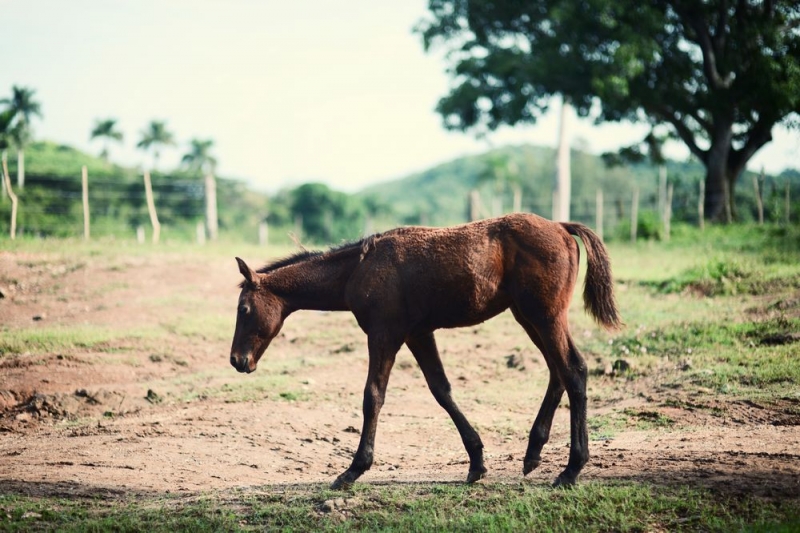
(160,410)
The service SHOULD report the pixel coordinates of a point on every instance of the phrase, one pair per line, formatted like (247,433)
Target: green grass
(48,339)
(598,506)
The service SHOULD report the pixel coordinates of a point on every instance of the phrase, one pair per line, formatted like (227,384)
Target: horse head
(258,320)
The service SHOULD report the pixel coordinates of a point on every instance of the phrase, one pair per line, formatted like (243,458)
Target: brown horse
(404,284)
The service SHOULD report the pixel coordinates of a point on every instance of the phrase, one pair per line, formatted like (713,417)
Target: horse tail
(598,290)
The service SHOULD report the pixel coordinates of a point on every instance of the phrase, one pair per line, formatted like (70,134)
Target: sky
(339,92)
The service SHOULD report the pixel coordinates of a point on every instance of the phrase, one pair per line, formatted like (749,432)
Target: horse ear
(246,271)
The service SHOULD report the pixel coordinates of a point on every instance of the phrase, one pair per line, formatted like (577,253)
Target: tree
(327,215)
(23,107)
(155,137)
(717,75)
(106,130)
(199,159)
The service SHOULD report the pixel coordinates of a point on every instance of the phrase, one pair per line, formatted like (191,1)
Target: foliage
(155,137)
(106,130)
(714,73)
(51,201)
(199,157)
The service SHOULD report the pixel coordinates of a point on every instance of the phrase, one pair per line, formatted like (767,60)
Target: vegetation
(155,138)
(22,108)
(716,346)
(715,74)
(415,507)
(317,214)
(106,130)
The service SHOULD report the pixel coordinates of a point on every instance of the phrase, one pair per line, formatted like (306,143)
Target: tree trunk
(716,162)
(21,169)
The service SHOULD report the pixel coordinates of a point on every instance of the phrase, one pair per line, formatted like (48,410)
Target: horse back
(430,278)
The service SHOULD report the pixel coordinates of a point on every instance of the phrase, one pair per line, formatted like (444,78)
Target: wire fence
(117,208)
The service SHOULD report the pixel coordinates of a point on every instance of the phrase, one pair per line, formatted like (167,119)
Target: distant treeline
(504,179)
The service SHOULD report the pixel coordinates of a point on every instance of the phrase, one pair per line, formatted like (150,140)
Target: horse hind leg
(423,347)
(540,431)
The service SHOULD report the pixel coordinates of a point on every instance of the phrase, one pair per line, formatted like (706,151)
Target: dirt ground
(165,412)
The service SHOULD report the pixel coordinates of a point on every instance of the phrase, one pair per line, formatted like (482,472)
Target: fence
(118,207)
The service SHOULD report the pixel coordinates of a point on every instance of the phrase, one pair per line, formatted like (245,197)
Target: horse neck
(316,284)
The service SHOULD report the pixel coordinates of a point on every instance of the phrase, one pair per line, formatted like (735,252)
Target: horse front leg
(382,351)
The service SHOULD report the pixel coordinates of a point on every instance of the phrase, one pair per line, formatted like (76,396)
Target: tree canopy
(717,75)
(199,157)
(106,130)
(154,137)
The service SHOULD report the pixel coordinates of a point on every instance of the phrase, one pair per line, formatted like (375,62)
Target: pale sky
(290,91)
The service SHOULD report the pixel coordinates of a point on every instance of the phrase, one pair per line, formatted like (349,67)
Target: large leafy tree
(106,130)
(155,137)
(716,74)
(23,107)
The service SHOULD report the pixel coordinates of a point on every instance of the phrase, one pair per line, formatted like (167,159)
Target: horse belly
(454,309)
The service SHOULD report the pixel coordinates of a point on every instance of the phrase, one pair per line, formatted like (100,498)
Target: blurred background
(259,121)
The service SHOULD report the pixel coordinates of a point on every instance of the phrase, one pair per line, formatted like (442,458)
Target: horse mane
(304,255)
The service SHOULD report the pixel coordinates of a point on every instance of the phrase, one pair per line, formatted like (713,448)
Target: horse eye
(243,309)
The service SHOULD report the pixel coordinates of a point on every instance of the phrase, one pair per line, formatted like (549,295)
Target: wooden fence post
(212,221)
(598,214)
(759,199)
(668,211)
(787,204)
(701,206)
(634,214)
(13,197)
(85,191)
(200,233)
(151,207)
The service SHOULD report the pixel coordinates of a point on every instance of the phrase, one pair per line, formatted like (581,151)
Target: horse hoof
(563,481)
(475,475)
(341,484)
(529,465)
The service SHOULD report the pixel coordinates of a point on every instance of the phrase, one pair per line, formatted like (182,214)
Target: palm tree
(24,107)
(199,159)
(154,137)
(106,130)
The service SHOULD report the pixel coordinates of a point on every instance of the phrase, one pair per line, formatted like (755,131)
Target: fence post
(212,221)
(598,214)
(85,194)
(759,199)
(634,214)
(13,197)
(787,203)
(662,190)
(668,211)
(701,206)
(151,207)
(200,233)
(263,234)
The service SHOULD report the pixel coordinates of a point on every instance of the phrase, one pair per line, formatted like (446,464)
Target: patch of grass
(728,277)
(62,338)
(413,507)
(728,357)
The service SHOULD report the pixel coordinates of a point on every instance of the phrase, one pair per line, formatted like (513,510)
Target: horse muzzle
(243,364)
